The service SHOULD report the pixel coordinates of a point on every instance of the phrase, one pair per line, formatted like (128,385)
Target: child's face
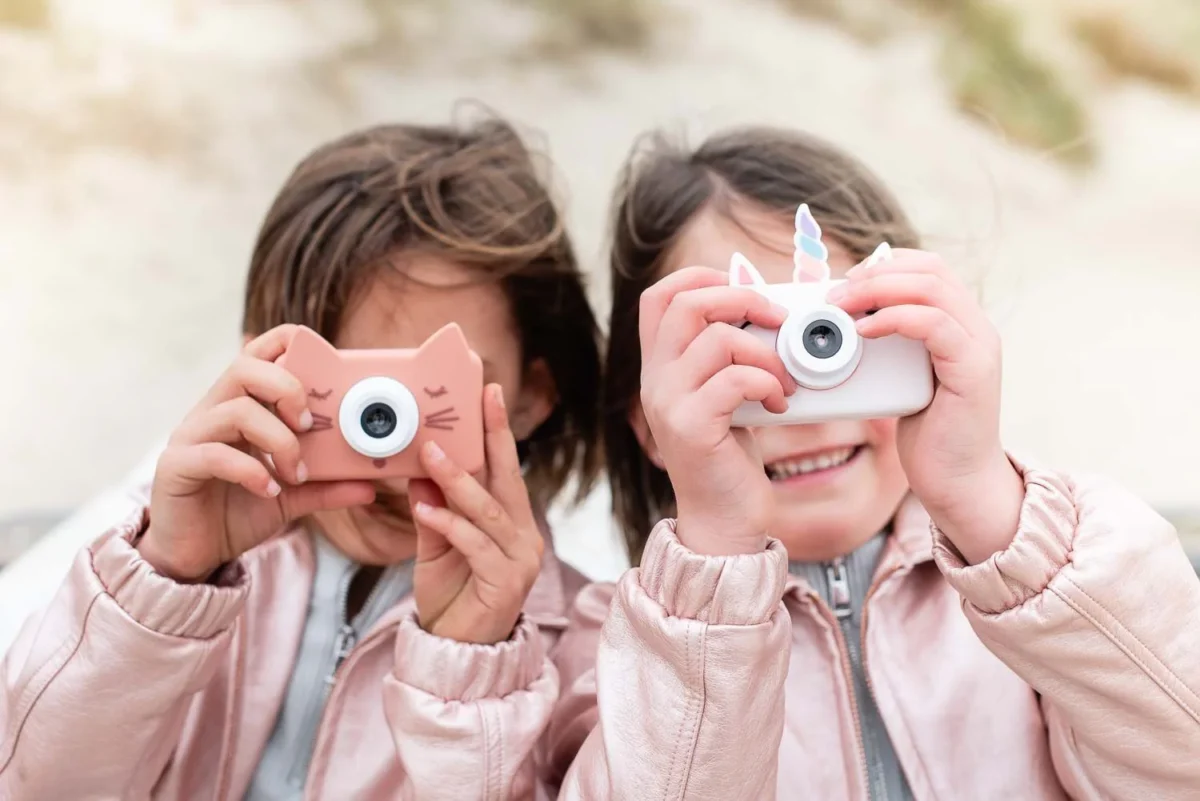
(826,504)
(397,312)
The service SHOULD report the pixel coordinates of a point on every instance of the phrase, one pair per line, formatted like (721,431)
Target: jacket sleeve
(694,648)
(1095,606)
(96,687)
(465,718)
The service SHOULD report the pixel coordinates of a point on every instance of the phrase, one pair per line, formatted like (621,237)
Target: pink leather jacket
(1067,666)
(130,686)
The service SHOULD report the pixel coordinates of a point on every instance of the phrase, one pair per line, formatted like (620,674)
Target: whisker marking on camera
(321,422)
(441,419)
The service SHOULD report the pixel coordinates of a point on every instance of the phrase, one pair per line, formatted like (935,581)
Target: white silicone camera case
(866,379)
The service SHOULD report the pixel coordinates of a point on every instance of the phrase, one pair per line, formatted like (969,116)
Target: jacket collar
(909,544)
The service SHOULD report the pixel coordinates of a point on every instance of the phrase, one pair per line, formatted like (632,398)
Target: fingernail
(498,394)
(306,420)
(422,509)
(273,488)
(435,451)
(835,294)
(302,472)
(781,311)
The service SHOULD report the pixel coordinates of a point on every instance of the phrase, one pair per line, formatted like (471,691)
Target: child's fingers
(504,466)
(431,545)
(692,311)
(464,493)
(720,346)
(272,344)
(722,394)
(245,419)
(655,300)
(193,465)
(485,558)
(325,496)
(906,260)
(885,290)
(943,336)
(268,383)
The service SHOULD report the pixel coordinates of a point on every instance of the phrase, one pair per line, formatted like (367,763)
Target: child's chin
(817,531)
(371,537)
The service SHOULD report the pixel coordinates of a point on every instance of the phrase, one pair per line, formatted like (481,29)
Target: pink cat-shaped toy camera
(841,375)
(373,409)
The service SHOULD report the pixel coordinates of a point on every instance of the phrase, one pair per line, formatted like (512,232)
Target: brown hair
(662,188)
(472,195)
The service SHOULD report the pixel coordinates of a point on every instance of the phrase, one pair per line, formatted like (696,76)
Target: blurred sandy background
(1050,149)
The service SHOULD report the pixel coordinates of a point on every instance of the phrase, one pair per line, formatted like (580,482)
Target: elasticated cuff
(198,611)
(459,671)
(1040,549)
(739,590)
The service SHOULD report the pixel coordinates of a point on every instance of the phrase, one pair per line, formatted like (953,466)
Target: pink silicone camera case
(443,379)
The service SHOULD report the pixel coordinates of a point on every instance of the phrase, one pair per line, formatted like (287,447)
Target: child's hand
(951,451)
(479,554)
(697,368)
(214,495)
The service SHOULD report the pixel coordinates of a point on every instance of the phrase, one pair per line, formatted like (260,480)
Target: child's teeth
(810,464)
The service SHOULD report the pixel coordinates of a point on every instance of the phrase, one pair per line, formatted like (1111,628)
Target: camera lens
(378,417)
(822,339)
(378,420)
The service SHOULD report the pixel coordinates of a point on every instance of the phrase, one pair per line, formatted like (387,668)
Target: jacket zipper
(842,608)
(839,594)
(875,585)
(343,645)
(344,642)
(334,688)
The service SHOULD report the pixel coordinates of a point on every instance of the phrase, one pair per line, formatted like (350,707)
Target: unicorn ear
(882,253)
(742,272)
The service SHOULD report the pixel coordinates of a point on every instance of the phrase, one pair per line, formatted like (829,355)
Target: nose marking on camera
(321,422)
(379,463)
(436,393)
(442,419)
(312,393)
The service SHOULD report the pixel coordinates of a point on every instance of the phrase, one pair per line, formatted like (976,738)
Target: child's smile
(814,467)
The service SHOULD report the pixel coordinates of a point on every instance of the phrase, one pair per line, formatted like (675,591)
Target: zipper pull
(839,588)
(346,639)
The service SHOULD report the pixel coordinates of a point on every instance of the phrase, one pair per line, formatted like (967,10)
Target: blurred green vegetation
(996,76)
(1035,89)
(1157,41)
(1027,68)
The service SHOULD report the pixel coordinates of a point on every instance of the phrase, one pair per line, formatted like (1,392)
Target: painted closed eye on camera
(321,422)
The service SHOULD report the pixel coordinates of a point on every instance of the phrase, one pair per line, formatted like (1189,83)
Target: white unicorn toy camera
(841,375)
